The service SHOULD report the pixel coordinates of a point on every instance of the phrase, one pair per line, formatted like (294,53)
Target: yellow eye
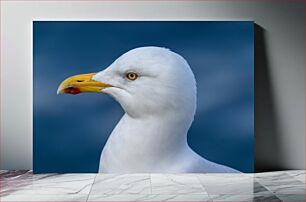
(131,76)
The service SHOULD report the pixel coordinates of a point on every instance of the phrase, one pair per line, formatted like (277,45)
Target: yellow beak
(81,83)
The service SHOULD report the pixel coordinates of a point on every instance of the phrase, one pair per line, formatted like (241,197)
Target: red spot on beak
(72,90)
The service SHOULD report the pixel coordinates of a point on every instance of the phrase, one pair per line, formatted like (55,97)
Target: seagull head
(146,81)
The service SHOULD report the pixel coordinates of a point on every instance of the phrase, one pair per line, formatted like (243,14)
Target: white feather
(159,109)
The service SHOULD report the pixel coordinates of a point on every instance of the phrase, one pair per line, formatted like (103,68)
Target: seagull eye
(131,76)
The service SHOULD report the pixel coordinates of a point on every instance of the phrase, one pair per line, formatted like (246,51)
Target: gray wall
(279,63)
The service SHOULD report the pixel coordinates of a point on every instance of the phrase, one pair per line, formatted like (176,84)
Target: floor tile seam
(91,188)
(274,192)
(208,194)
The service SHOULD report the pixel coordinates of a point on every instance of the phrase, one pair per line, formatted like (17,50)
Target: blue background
(70,131)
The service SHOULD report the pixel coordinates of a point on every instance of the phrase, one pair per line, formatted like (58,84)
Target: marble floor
(272,186)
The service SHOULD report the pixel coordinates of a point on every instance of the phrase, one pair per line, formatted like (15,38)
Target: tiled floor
(273,186)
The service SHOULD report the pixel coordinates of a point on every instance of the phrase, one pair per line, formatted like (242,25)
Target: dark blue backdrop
(70,131)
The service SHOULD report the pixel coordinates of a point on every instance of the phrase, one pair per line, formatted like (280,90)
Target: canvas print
(143,97)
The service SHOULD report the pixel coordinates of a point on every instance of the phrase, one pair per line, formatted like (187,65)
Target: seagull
(157,90)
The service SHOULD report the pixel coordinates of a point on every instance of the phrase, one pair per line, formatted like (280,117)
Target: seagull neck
(157,132)
(136,144)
